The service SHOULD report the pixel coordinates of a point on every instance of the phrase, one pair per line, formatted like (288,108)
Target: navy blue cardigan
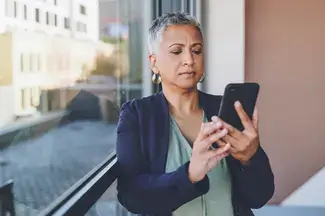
(142,145)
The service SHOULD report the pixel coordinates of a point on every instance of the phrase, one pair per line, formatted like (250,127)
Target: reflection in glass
(64,97)
(108,205)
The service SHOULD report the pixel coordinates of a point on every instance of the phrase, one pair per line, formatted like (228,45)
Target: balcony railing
(82,196)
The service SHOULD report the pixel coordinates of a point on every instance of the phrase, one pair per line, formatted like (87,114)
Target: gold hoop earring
(156,78)
(202,78)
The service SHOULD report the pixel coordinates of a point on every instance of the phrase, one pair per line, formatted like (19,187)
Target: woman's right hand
(204,158)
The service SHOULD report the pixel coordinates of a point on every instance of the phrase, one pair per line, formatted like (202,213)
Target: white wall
(312,193)
(6,109)
(224,31)
(2,16)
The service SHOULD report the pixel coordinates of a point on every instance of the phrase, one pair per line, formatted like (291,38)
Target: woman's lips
(187,73)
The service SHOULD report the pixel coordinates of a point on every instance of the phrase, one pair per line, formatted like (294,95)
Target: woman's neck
(185,102)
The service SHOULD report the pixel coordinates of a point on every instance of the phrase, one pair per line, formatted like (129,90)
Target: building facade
(45,44)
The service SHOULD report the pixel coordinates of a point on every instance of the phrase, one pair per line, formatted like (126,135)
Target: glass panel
(59,119)
(108,205)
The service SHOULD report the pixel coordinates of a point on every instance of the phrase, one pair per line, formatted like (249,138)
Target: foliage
(112,40)
(114,65)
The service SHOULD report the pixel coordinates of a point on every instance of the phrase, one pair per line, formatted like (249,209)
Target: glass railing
(63,84)
(82,196)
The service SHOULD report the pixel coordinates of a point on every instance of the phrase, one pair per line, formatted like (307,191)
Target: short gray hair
(160,24)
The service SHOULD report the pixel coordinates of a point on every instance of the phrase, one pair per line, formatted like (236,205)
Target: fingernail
(237,104)
(218,124)
(214,118)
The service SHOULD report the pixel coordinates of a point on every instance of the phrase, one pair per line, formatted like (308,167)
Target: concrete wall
(285,51)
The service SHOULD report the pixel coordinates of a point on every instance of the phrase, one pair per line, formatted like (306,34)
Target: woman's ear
(152,59)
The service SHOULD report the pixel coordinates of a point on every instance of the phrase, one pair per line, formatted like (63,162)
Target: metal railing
(84,194)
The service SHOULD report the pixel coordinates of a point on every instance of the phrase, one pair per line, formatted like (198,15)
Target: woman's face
(179,59)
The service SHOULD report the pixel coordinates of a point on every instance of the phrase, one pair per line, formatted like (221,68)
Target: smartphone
(246,94)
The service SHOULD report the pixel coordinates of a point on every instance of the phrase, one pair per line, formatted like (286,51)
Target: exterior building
(45,44)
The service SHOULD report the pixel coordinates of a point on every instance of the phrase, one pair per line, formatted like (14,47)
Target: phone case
(246,93)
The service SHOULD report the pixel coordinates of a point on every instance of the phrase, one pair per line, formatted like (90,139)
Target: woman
(164,141)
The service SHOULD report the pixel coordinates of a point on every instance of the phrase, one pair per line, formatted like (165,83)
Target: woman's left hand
(244,144)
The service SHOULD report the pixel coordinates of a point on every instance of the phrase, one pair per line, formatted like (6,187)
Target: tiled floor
(44,168)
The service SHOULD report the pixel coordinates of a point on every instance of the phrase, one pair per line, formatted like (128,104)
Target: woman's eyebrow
(180,44)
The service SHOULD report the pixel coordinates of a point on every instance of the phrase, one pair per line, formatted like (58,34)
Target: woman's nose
(188,59)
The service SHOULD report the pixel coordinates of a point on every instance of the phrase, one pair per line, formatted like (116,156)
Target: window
(81,27)
(55,20)
(47,18)
(66,22)
(37,15)
(82,10)
(31,63)
(48,63)
(35,97)
(55,2)
(39,62)
(25,98)
(22,101)
(64,106)
(25,12)
(15,9)
(21,62)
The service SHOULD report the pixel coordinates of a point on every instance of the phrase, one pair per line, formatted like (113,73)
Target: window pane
(60,116)
(47,18)
(21,62)
(66,23)
(82,9)
(108,205)
(15,9)
(37,18)
(25,12)
(56,20)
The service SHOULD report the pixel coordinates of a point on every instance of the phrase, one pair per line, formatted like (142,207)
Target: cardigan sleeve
(254,183)
(148,193)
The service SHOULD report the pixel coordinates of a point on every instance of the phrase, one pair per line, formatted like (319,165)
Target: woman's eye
(176,52)
(197,52)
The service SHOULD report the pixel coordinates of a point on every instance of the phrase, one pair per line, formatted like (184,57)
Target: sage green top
(218,199)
